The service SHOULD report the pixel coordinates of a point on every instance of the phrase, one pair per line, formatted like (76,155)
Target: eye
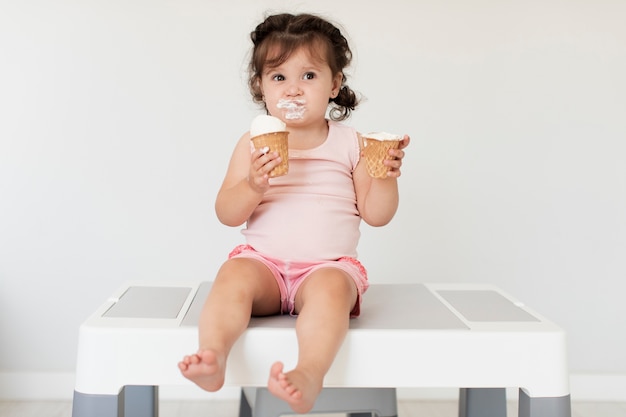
(278,77)
(309,76)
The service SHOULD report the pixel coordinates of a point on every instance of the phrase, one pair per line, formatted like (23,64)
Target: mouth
(294,109)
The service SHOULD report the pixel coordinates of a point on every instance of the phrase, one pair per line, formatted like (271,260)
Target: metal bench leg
(132,401)
(355,402)
(139,401)
(544,406)
(482,402)
(93,405)
(245,410)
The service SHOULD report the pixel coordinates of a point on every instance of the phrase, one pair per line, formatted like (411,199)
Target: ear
(259,85)
(336,84)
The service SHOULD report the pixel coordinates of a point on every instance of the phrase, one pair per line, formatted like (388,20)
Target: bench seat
(468,336)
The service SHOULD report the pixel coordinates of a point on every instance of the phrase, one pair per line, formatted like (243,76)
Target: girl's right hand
(261,163)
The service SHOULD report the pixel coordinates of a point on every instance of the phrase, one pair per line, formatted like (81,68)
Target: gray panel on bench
(485,305)
(390,306)
(149,303)
(404,306)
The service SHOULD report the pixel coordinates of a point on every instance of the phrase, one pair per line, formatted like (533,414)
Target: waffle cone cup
(276,142)
(375,152)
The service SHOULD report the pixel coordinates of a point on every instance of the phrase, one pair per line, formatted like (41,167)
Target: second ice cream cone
(375,152)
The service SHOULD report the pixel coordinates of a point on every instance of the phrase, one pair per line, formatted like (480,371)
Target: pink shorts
(290,275)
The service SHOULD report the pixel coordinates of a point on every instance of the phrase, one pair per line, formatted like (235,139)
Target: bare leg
(323,302)
(243,287)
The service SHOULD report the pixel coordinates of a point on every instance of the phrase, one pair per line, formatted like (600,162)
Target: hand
(397,155)
(261,163)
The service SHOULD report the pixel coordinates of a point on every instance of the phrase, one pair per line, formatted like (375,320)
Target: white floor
(419,408)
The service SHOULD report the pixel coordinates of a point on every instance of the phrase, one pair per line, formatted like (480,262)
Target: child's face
(298,90)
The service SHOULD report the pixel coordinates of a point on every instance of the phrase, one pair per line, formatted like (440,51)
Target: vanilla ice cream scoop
(264,123)
(382,136)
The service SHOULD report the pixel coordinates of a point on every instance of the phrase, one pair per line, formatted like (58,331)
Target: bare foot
(297,388)
(205,368)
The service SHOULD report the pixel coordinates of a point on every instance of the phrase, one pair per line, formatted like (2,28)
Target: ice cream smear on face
(294,109)
(264,123)
(382,136)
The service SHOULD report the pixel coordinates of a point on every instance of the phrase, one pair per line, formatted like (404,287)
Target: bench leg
(544,407)
(132,401)
(482,402)
(93,405)
(354,402)
(245,410)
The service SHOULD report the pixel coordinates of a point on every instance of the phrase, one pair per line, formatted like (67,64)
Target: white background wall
(117,119)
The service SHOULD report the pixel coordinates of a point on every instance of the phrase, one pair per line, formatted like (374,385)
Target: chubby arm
(377,199)
(246,180)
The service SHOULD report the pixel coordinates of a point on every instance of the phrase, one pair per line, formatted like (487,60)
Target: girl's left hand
(395,162)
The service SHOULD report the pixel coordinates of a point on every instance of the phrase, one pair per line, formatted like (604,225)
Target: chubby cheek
(271,103)
(273,110)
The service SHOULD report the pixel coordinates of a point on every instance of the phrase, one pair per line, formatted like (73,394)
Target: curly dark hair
(287,33)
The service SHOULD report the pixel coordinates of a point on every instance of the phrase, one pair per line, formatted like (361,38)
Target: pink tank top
(310,214)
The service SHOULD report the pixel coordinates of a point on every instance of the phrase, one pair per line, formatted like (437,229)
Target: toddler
(302,228)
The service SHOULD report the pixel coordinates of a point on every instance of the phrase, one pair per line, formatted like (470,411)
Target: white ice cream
(294,109)
(265,124)
(382,136)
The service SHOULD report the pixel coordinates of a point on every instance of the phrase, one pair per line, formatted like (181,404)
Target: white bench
(472,337)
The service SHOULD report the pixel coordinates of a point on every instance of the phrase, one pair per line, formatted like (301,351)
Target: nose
(293,89)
